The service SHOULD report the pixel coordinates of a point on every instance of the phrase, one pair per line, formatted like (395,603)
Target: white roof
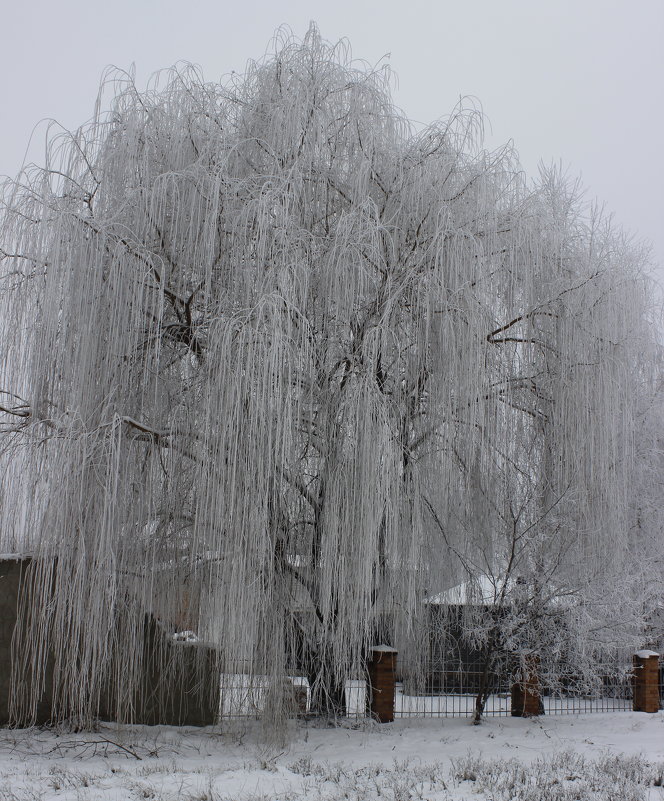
(483,590)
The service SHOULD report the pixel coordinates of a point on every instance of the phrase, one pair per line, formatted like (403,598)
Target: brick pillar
(382,669)
(646,681)
(526,699)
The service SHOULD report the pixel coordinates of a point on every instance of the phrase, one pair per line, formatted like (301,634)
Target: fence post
(382,670)
(526,701)
(646,681)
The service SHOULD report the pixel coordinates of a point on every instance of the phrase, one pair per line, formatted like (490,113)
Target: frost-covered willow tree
(278,368)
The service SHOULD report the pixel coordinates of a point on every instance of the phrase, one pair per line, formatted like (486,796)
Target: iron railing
(454,693)
(425,693)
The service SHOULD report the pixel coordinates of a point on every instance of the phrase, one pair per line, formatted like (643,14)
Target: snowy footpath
(612,757)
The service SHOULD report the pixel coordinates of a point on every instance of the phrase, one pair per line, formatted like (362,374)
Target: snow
(645,654)
(384,649)
(185,636)
(438,760)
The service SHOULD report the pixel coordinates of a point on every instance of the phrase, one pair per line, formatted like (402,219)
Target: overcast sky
(578,82)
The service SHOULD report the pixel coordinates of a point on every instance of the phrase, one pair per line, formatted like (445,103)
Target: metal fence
(246,696)
(421,693)
(612,691)
(450,693)
(453,693)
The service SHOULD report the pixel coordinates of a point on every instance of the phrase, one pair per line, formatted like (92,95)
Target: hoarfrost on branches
(277,368)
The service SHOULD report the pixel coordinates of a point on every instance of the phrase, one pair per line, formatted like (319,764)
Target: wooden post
(646,681)
(382,669)
(526,699)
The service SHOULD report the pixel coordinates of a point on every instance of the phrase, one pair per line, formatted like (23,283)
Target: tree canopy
(280,368)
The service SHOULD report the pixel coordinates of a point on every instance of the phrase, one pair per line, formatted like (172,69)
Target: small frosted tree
(279,366)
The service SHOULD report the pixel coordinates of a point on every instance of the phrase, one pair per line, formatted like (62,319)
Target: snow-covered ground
(612,757)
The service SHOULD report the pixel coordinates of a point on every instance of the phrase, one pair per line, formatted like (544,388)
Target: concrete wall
(12,571)
(10,577)
(180,685)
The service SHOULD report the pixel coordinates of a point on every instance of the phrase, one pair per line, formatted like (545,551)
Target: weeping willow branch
(252,358)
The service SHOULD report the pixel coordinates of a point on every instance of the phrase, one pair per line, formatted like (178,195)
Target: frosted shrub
(562,777)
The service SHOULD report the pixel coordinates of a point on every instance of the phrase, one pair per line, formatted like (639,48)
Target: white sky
(572,81)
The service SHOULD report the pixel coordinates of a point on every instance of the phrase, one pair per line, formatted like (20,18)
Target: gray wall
(180,685)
